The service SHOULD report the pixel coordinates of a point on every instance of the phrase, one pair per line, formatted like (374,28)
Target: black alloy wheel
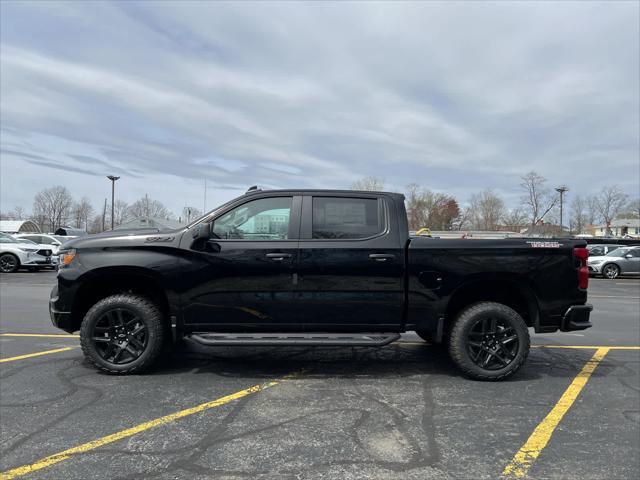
(119,336)
(124,333)
(489,341)
(492,343)
(9,263)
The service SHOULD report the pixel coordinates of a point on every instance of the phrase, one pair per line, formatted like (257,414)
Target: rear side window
(346,218)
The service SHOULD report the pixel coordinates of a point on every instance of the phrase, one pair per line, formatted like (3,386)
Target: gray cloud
(454,96)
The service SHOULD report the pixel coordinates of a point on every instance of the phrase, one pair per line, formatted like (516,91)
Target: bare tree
(371,184)
(579,217)
(19,213)
(52,206)
(611,200)
(632,209)
(538,199)
(592,210)
(190,213)
(81,211)
(430,209)
(515,218)
(120,208)
(486,210)
(147,207)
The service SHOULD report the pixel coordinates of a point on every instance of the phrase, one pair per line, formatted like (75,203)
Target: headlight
(596,262)
(66,257)
(30,250)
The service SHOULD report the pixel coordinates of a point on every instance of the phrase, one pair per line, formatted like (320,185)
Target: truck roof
(253,191)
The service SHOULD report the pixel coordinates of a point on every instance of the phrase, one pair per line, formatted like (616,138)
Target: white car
(16,253)
(52,241)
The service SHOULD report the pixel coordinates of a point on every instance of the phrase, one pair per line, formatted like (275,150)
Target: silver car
(621,261)
(601,249)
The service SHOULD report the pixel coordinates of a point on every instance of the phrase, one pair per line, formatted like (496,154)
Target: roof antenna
(253,188)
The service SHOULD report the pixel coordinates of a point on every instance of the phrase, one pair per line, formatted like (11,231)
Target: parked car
(316,267)
(52,241)
(16,253)
(621,261)
(601,249)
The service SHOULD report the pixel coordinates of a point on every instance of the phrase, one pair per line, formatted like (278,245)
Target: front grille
(44,253)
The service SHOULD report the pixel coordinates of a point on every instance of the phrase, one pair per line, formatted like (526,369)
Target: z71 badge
(159,239)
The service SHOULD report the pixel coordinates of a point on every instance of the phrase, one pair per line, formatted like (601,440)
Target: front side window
(262,219)
(618,252)
(346,218)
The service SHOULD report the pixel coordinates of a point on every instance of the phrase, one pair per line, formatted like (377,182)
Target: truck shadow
(399,360)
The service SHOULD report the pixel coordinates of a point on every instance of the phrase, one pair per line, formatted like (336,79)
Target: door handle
(381,257)
(278,257)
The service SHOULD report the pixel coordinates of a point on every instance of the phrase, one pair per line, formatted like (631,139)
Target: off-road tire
(9,257)
(459,340)
(146,311)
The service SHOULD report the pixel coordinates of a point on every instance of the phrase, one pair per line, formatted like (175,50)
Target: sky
(455,96)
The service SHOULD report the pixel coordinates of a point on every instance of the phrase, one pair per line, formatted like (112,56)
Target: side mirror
(628,255)
(202,232)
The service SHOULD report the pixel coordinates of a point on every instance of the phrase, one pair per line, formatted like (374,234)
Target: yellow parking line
(114,437)
(589,347)
(538,440)
(37,354)
(45,335)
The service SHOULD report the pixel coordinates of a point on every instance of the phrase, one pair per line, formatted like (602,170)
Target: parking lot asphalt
(400,411)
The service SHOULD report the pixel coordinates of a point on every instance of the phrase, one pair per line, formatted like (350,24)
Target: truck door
(351,266)
(246,273)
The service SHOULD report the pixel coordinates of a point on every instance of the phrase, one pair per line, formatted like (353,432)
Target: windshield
(618,252)
(8,239)
(61,239)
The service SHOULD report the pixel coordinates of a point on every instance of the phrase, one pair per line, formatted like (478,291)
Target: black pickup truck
(316,267)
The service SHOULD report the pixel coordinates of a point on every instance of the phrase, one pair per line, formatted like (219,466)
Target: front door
(630,263)
(351,264)
(244,277)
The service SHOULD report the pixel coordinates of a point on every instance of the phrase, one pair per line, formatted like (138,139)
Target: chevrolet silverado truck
(316,268)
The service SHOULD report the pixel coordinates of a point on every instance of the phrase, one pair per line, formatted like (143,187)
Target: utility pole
(113,194)
(104,213)
(561,190)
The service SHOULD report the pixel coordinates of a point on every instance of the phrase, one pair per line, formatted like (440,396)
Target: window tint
(263,219)
(635,252)
(346,218)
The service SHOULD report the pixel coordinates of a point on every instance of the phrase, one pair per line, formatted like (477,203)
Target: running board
(296,339)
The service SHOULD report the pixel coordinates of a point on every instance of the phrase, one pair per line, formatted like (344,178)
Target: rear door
(351,264)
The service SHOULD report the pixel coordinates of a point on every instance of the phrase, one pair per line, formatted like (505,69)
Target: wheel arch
(104,282)
(14,255)
(511,291)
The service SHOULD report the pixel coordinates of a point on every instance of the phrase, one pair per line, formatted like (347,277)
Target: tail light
(582,254)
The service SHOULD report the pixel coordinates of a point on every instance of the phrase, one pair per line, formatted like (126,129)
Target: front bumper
(593,269)
(59,318)
(40,260)
(576,318)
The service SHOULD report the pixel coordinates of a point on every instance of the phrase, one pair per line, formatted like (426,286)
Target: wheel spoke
(101,339)
(508,339)
(494,325)
(136,343)
(116,357)
(132,351)
(141,328)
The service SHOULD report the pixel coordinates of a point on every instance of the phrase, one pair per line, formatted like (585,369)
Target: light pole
(561,190)
(113,191)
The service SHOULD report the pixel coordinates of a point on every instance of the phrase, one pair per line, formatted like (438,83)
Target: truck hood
(124,238)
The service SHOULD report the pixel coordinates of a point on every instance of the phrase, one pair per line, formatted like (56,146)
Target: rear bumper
(576,318)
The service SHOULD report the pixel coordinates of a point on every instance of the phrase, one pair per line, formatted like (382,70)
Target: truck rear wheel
(489,341)
(123,333)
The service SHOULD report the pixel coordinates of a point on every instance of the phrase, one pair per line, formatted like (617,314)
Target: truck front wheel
(489,341)
(123,333)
